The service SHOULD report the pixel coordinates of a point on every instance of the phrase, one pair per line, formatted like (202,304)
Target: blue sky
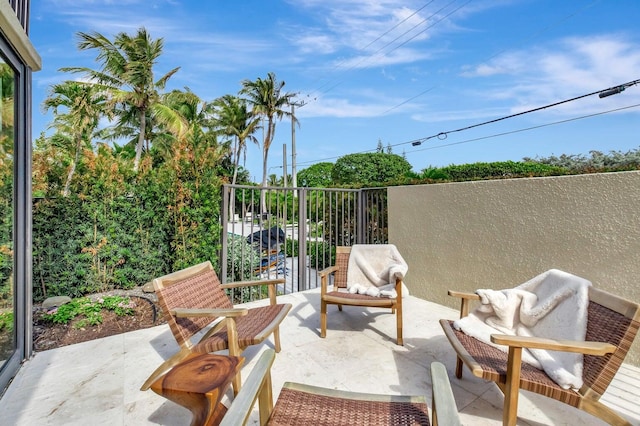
(394,71)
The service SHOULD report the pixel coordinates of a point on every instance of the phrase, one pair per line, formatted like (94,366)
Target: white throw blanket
(552,305)
(373,269)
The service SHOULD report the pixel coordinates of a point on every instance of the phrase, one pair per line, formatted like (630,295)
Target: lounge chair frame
(304,404)
(339,296)
(193,299)
(612,325)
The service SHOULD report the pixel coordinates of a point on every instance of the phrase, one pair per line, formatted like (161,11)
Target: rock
(148,288)
(55,301)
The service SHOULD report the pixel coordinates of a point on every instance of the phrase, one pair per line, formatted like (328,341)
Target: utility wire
(606,92)
(443,135)
(528,128)
(377,52)
(400,23)
(541,31)
(339,64)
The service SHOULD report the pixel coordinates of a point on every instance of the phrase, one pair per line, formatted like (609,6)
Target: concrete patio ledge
(98,382)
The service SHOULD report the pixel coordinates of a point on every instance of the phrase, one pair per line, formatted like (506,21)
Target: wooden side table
(198,384)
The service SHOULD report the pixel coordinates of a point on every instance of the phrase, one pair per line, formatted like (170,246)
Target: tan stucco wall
(498,234)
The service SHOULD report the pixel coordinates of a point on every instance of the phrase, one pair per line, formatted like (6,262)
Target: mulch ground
(49,336)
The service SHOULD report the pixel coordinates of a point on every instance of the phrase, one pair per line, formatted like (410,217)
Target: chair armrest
(444,409)
(257,386)
(238,284)
(269,282)
(465,298)
(324,278)
(463,295)
(328,270)
(576,346)
(194,313)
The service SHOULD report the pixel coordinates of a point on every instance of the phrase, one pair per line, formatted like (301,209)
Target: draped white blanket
(373,269)
(552,305)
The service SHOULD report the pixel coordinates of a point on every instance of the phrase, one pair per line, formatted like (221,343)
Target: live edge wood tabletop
(198,383)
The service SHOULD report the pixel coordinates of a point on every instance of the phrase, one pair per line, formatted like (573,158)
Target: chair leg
(458,367)
(323,319)
(512,387)
(399,324)
(234,350)
(276,339)
(601,411)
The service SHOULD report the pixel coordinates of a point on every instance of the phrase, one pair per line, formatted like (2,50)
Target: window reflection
(7,115)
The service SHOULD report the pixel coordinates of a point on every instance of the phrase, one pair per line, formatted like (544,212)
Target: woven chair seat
(494,368)
(250,329)
(300,404)
(346,297)
(309,406)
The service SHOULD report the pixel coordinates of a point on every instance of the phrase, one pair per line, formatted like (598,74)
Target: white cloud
(315,44)
(562,70)
(341,108)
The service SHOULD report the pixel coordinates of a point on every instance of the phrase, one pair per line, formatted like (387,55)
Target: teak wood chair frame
(193,299)
(612,325)
(339,296)
(304,404)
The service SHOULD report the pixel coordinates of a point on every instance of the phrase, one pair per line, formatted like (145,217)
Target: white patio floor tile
(98,382)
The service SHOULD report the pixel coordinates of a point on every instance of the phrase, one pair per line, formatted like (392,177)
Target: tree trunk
(232,195)
(72,170)
(265,155)
(139,145)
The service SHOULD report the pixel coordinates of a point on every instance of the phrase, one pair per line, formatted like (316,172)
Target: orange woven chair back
(201,290)
(342,262)
(607,325)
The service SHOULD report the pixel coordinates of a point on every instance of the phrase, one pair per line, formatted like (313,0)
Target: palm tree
(233,119)
(127,74)
(268,101)
(194,133)
(83,105)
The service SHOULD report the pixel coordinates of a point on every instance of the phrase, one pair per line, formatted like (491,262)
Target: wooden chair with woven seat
(193,299)
(339,296)
(612,324)
(300,404)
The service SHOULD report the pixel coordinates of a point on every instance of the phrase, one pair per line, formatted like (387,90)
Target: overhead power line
(443,135)
(528,128)
(541,31)
(602,93)
(367,58)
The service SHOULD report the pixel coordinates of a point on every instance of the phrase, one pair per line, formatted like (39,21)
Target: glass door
(8,328)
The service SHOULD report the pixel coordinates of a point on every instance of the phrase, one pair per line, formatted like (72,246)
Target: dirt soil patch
(47,335)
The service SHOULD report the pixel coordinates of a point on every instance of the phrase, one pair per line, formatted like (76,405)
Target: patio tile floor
(98,382)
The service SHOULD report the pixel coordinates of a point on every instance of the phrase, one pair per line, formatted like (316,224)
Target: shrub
(242,259)
(321,254)
(6,322)
(89,309)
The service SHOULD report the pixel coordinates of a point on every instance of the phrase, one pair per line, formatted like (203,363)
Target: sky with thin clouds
(387,70)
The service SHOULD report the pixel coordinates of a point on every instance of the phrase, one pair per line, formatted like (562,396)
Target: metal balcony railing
(275,232)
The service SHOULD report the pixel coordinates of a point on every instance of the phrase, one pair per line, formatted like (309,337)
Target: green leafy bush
(242,259)
(6,322)
(597,161)
(495,170)
(90,310)
(369,169)
(321,254)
